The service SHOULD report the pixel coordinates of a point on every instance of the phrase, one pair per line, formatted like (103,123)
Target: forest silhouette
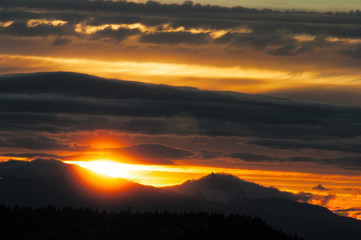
(86,223)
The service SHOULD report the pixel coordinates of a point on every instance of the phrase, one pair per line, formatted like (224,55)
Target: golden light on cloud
(344,40)
(213,33)
(5,159)
(227,78)
(6,24)
(84,28)
(36,22)
(154,72)
(304,38)
(91,29)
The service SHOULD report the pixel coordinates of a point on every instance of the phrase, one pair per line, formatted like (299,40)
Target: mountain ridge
(63,188)
(232,186)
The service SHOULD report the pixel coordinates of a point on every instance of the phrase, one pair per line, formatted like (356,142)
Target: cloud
(327,94)
(153,153)
(272,32)
(356,191)
(32,155)
(175,38)
(295,158)
(315,199)
(349,212)
(61,41)
(320,188)
(118,34)
(354,52)
(72,102)
(30,143)
(36,113)
(292,144)
(250,157)
(35,142)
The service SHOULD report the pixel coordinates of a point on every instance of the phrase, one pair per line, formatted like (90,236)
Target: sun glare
(106,167)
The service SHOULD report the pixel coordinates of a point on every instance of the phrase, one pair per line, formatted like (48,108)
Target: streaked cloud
(233,48)
(6,24)
(36,22)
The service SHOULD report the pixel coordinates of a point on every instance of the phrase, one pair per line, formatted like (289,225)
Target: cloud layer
(39,110)
(273,32)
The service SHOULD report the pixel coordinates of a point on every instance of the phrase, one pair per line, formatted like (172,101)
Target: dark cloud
(22,29)
(38,142)
(353,52)
(326,199)
(327,94)
(35,141)
(67,102)
(351,162)
(34,105)
(354,190)
(158,151)
(292,144)
(320,188)
(119,34)
(61,41)
(348,211)
(250,157)
(175,38)
(305,197)
(153,153)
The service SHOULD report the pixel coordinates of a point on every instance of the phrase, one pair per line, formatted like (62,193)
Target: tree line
(86,223)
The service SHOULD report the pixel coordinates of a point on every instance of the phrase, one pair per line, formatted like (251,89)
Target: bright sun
(107,167)
(155,175)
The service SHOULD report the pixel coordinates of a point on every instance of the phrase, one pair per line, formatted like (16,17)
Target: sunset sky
(308,51)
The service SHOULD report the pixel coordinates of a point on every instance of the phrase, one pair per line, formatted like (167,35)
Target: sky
(309,51)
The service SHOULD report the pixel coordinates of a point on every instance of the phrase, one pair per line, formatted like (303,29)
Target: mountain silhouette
(34,186)
(228,188)
(31,184)
(278,208)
